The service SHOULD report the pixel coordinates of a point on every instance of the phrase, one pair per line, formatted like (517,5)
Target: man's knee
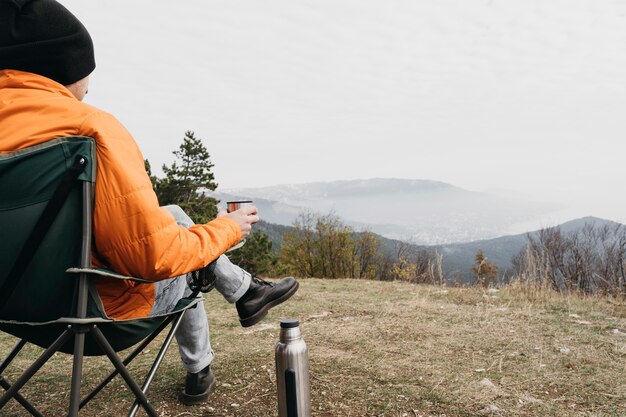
(182,219)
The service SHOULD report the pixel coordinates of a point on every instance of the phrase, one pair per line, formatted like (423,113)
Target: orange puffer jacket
(133,235)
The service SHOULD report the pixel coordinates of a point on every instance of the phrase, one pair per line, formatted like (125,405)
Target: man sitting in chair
(46,56)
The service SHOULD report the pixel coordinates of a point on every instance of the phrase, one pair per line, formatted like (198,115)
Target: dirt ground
(391,349)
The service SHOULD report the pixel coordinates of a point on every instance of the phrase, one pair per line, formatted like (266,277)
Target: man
(46,56)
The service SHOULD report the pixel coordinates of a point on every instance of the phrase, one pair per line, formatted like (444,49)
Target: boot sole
(196,399)
(258,316)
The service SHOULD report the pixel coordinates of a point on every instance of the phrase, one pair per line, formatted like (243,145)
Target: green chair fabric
(28,179)
(56,282)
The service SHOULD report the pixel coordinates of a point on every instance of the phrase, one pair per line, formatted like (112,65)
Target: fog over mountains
(422,212)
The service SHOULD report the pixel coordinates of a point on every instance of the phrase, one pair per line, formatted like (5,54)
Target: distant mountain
(418,211)
(458,259)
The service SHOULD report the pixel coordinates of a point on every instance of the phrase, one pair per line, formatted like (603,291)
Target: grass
(395,349)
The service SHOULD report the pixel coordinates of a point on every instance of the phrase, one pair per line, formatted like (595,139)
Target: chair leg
(117,362)
(23,401)
(77,373)
(47,354)
(7,361)
(4,383)
(126,361)
(157,361)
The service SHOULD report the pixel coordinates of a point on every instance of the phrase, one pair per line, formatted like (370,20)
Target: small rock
(479,370)
(564,350)
(529,399)
(618,332)
(493,290)
(487,384)
(490,409)
(319,315)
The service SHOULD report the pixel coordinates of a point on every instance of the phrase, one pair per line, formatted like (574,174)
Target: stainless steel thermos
(292,372)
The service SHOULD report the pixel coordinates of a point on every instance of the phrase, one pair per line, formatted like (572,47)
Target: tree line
(322,246)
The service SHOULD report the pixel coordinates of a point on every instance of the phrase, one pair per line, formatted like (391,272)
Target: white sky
(523,96)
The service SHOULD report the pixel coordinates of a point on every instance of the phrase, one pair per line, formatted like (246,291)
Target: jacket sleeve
(133,235)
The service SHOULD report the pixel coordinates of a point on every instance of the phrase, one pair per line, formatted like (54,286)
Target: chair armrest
(107,273)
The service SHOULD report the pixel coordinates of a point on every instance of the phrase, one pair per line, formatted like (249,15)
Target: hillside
(390,349)
(458,258)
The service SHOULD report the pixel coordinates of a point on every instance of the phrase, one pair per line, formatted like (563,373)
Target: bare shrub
(589,260)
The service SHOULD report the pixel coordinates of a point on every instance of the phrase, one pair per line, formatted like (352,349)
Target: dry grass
(396,349)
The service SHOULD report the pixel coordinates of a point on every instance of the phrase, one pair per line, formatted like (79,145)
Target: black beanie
(43,37)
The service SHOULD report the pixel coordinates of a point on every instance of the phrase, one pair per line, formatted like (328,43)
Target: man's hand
(245,217)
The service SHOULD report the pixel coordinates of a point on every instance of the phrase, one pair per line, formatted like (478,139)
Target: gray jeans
(192,335)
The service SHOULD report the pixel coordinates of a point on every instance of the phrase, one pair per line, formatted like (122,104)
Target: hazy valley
(423,215)
(421,212)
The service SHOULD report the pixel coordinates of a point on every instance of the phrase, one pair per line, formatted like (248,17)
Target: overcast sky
(526,97)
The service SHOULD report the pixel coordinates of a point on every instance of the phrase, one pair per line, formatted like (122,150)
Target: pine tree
(188,179)
(153,179)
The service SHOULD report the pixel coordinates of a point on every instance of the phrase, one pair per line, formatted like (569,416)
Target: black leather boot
(198,386)
(261,296)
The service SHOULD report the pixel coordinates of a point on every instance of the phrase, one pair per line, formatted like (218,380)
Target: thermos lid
(289,324)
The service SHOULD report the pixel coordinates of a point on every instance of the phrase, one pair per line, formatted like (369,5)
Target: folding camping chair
(47,294)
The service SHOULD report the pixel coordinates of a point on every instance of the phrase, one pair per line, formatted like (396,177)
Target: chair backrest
(28,180)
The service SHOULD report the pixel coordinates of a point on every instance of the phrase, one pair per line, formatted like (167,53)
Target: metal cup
(236,205)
